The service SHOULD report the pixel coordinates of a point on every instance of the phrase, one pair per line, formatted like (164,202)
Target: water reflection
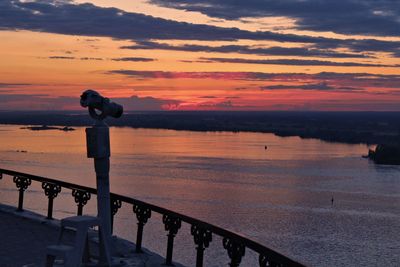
(279,196)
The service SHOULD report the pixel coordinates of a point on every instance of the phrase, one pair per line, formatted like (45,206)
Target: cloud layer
(293,62)
(322,86)
(378,80)
(252,50)
(46,102)
(64,17)
(366,17)
(72,19)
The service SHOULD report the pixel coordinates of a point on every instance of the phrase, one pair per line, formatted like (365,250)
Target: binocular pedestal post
(98,147)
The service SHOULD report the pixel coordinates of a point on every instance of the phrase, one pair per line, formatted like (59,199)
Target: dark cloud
(243,49)
(68,52)
(341,81)
(61,57)
(195,61)
(361,46)
(34,102)
(372,79)
(64,17)
(193,75)
(73,19)
(90,58)
(46,102)
(294,62)
(11,85)
(225,105)
(134,59)
(147,103)
(368,17)
(91,40)
(73,58)
(219,105)
(349,104)
(322,86)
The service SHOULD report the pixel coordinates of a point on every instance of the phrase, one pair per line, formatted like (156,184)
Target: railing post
(202,238)
(116,204)
(81,198)
(172,224)
(51,191)
(142,214)
(235,249)
(202,232)
(22,184)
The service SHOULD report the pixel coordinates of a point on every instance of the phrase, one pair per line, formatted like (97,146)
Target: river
(274,190)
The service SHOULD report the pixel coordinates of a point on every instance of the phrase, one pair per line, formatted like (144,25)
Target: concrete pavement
(25,235)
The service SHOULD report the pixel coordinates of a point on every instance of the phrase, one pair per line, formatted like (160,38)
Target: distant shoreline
(342,127)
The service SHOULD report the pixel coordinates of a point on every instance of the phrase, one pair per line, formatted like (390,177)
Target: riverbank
(385,154)
(343,127)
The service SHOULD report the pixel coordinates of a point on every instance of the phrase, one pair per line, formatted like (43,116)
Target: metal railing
(202,232)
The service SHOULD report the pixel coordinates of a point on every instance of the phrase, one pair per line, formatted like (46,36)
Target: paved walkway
(25,235)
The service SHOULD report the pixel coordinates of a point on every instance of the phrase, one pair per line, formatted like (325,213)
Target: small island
(45,128)
(67,129)
(385,154)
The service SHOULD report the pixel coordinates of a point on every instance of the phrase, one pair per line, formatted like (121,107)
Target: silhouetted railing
(201,231)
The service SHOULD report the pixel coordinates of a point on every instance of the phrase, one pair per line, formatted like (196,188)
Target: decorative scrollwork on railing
(171,224)
(202,238)
(265,262)
(81,198)
(22,184)
(51,191)
(115,205)
(235,250)
(143,214)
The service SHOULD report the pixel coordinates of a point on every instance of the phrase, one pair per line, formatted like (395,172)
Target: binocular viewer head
(94,101)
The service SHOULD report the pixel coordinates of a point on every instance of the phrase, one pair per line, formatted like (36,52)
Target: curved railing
(201,231)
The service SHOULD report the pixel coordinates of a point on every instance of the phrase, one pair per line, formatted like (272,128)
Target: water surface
(279,196)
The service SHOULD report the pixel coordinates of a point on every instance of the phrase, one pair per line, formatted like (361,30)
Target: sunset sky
(201,55)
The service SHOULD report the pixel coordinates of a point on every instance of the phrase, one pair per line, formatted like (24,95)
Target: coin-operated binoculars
(98,147)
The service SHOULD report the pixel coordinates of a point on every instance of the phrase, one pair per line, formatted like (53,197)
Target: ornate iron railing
(201,231)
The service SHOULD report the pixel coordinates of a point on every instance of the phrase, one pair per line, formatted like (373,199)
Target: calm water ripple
(280,197)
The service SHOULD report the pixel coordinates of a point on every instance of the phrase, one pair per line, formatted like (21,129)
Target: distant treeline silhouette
(347,127)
